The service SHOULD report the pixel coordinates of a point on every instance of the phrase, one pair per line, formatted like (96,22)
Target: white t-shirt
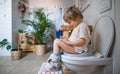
(81,31)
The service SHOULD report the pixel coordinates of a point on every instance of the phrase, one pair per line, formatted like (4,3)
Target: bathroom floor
(29,64)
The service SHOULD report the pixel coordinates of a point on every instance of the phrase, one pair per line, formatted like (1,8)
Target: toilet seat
(90,60)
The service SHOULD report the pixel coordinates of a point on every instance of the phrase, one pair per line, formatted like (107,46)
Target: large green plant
(39,25)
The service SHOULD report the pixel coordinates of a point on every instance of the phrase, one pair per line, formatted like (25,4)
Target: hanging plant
(21,7)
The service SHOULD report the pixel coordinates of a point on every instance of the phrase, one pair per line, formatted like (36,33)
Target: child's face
(73,23)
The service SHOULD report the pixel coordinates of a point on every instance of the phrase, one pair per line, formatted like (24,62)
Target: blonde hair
(72,13)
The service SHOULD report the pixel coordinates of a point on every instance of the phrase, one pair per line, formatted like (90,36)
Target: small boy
(77,42)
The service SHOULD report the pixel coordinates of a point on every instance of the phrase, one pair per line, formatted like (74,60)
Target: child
(77,42)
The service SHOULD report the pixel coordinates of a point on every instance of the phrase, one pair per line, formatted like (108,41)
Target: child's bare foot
(47,70)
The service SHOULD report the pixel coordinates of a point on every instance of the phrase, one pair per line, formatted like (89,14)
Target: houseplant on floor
(16,53)
(39,24)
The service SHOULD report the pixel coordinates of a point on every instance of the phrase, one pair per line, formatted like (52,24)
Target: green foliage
(39,25)
(29,37)
(5,42)
(20,31)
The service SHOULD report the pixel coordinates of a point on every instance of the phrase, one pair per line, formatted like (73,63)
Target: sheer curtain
(56,15)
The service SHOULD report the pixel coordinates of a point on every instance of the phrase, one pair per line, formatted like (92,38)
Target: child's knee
(57,41)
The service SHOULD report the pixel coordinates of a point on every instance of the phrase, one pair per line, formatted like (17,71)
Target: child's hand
(64,39)
(61,37)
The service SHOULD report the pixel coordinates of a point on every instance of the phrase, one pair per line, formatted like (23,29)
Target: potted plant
(39,24)
(16,53)
(25,40)
(17,48)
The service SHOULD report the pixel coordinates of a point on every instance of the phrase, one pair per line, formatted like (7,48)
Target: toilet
(101,42)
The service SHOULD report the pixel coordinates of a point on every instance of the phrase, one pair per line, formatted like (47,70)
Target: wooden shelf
(22,41)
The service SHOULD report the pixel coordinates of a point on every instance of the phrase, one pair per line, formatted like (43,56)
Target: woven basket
(40,49)
(16,54)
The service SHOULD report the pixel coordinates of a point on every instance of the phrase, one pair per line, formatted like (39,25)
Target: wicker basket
(40,49)
(16,54)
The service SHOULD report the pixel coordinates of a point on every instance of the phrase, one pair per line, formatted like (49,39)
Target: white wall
(92,13)
(116,50)
(5,24)
(50,3)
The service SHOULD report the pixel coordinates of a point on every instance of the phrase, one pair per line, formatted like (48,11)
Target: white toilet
(103,35)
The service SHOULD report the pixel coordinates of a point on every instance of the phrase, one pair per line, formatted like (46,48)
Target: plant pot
(40,49)
(16,54)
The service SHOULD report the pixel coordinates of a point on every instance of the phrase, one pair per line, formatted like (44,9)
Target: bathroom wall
(93,12)
(116,49)
(50,3)
(16,21)
(5,24)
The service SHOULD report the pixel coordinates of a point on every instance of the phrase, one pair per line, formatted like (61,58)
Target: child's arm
(79,42)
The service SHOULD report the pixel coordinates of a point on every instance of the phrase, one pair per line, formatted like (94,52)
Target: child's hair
(72,13)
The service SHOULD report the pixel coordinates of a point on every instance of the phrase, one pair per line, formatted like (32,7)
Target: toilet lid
(103,35)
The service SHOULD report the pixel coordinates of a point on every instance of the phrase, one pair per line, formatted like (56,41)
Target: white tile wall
(5,24)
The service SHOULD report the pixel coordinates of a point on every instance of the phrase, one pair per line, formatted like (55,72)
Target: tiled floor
(29,64)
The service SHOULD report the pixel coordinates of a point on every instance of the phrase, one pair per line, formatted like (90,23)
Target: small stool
(44,65)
